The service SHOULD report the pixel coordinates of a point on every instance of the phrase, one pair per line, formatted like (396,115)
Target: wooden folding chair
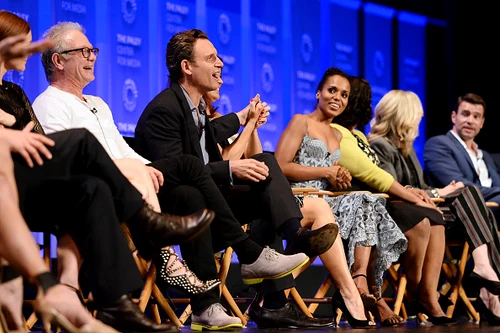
(150,290)
(453,271)
(223,263)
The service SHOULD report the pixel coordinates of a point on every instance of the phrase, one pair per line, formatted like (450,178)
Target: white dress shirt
(477,161)
(58,110)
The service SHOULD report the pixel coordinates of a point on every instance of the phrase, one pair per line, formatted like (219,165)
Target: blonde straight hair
(396,119)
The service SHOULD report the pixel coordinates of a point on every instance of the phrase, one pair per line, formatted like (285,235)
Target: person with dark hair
(455,156)
(308,153)
(420,220)
(175,123)
(392,134)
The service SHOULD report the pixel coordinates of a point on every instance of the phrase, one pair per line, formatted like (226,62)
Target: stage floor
(410,325)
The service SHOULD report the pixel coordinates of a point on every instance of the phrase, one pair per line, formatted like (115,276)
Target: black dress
(14,101)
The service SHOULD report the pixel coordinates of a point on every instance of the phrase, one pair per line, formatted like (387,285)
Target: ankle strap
(8,273)
(358,275)
(45,281)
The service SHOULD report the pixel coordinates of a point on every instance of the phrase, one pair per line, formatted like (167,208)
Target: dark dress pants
(78,152)
(189,188)
(82,206)
(266,205)
(82,192)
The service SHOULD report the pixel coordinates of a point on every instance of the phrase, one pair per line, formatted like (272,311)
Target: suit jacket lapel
(462,149)
(192,129)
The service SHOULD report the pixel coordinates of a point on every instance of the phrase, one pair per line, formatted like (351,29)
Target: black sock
(289,228)
(274,300)
(247,251)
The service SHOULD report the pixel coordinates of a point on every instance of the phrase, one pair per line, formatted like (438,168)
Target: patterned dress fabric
(362,218)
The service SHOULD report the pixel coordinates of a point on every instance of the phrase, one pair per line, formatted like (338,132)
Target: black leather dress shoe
(161,229)
(313,242)
(288,316)
(125,316)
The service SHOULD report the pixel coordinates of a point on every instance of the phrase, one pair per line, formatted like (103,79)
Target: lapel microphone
(93,110)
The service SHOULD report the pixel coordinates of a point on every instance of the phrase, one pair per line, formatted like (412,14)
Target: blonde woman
(393,132)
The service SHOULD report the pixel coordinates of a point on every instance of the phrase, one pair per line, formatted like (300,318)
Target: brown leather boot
(161,229)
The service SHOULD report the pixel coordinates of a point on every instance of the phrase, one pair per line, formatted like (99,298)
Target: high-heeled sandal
(188,281)
(51,316)
(368,299)
(4,325)
(78,293)
(479,282)
(339,303)
(393,321)
(485,313)
(441,320)
(4,322)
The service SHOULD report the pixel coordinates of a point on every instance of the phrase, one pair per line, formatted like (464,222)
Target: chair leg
(321,292)
(300,302)
(156,313)
(160,299)
(185,314)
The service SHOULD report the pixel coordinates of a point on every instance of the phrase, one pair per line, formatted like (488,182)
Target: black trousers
(80,191)
(271,201)
(266,205)
(189,188)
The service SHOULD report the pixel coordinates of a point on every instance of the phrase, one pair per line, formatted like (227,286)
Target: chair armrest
(491,204)
(303,190)
(336,193)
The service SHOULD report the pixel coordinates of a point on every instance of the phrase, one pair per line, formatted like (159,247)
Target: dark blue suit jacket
(445,159)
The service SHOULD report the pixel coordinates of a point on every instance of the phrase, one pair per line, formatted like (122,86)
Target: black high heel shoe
(442,320)
(188,281)
(485,313)
(479,282)
(339,303)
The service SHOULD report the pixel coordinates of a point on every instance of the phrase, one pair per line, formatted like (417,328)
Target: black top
(14,101)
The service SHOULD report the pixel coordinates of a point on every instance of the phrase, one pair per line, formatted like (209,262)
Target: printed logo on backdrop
(129,9)
(378,63)
(267,77)
(306,47)
(176,15)
(224,29)
(225,106)
(411,71)
(268,146)
(74,6)
(129,95)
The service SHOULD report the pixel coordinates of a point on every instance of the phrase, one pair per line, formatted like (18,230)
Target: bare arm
(288,145)
(254,146)
(248,142)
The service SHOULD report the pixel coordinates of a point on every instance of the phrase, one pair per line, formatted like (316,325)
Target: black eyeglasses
(85,51)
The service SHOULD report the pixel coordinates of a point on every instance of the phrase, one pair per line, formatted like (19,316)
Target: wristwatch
(435,193)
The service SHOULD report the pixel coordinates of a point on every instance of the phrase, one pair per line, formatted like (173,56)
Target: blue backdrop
(278,48)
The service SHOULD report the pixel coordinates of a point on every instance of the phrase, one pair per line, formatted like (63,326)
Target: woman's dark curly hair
(359,109)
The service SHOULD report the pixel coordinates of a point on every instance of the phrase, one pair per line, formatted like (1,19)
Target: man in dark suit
(175,123)
(456,157)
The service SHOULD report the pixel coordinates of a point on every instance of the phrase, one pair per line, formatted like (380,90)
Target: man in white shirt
(69,67)
(456,157)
